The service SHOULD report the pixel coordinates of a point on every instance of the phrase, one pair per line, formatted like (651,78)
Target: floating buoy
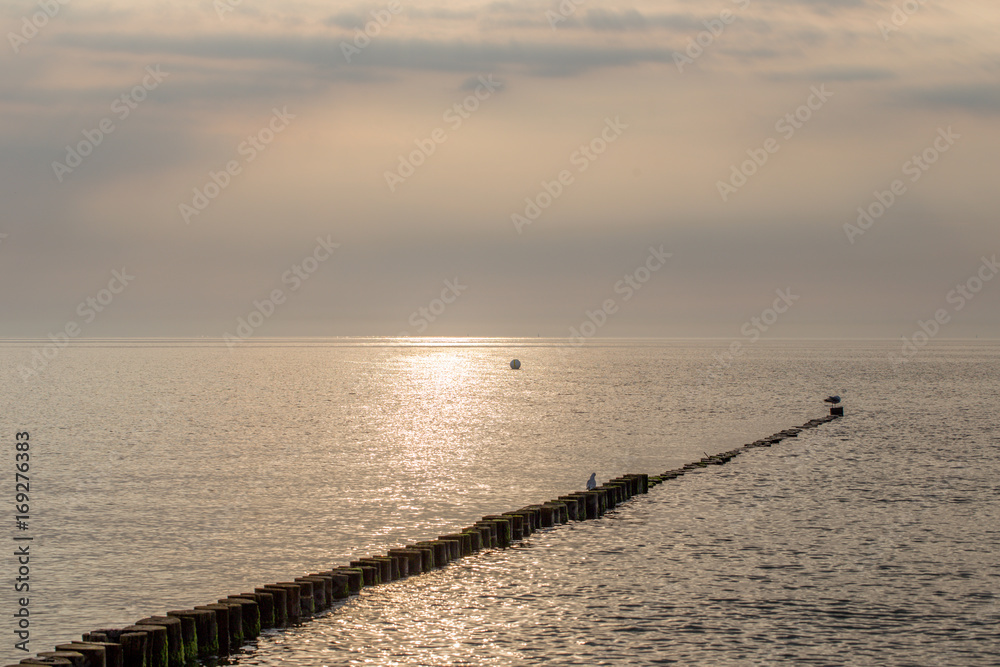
(515,364)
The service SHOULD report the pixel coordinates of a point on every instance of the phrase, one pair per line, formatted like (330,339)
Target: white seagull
(832,399)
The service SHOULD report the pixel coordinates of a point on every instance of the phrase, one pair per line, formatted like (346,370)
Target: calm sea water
(169,473)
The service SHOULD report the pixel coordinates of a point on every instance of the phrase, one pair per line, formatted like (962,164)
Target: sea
(168,473)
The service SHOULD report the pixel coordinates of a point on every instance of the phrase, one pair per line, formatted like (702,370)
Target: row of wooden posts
(221,628)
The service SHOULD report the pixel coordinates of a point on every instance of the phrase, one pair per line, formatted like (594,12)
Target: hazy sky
(689,160)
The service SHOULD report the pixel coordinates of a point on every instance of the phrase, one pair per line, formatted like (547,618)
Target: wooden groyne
(220,628)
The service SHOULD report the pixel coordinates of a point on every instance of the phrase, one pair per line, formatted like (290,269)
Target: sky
(731,168)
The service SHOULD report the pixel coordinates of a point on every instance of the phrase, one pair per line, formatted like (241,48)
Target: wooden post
(317,595)
(92,653)
(579,502)
(401,563)
(175,638)
(338,587)
(593,504)
(382,571)
(560,511)
(533,514)
(387,565)
(475,537)
(440,552)
(223,624)
(503,524)
(280,602)
(369,572)
(487,534)
(265,607)
(527,521)
(464,539)
(307,603)
(135,645)
(156,646)
(355,577)
(327,587)
(112,650)
(414,560)
(546,516)
(625,486)
(236,635)
(454,547)
(206,634)
(293,612)
(250,613)
(516,525)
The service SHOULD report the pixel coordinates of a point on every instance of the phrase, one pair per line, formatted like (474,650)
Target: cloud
(980,98)
(386,52)
(830,74)
(602,19)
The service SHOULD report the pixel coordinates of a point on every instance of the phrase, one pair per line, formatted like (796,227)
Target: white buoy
(515,364)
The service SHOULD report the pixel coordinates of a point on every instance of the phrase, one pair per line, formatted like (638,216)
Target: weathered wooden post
(307,605)
(533,514)
(466,540)
(265,607)
(250,614)
(280,597)
(293,612)
(339,587)
(593,504)
(206,631)
(414,560)
(624,486)
(525,527)
(388,565)
(384,571)
(440,552)
(546,515)
(427,562)
(491,530)
(112,650)
(93,654)
(560,513)
(369,573)
(475,538)
(504,532)
(486,534)
(156,647)
(577,506)
(355,577)
(454,547)
(400,562)
(223,624)
(135,645)
(175,637)
(235,623)
(317,594)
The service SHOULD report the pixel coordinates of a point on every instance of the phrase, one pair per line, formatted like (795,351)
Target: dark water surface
(169,475)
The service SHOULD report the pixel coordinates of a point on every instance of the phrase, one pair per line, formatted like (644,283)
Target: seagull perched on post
(832,399)
(592,482)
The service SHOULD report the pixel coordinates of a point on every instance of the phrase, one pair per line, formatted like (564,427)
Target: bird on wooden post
(592,482)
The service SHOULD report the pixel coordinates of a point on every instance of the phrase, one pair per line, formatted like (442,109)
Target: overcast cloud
(741,136)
